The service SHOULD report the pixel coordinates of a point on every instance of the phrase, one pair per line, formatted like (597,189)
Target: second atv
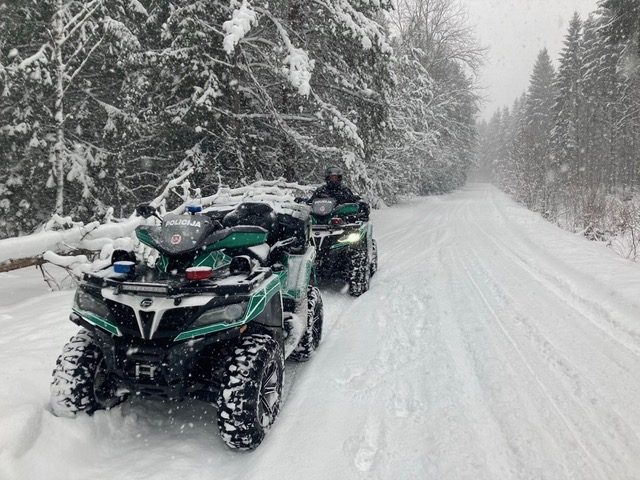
(344,242)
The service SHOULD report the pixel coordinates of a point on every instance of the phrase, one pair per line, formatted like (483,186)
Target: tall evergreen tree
(567,134)
(624,26)
(602,107)
(594,131)
(536,133)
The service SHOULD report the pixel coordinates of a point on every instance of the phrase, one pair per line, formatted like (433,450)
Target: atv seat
(294,230)
(256,214)
(289,231)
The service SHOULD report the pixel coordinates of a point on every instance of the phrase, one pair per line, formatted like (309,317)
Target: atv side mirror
(146,211)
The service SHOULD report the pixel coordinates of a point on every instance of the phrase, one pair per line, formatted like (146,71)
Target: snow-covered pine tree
(567,141)
(435,101)
(624,27)
(515,172)
(500,147)
(62,74)
(601,90)
(535,135)
(265,89)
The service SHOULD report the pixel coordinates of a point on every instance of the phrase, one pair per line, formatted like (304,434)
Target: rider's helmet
(333,176)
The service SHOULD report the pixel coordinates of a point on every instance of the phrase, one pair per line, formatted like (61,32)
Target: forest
(569,147)
(102,101)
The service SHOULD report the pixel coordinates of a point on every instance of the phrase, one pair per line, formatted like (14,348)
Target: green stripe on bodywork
(99,322)
(163,263)
(349,209)
(283,278)
(257,304)
(241,240)
(145,238)
(259,301)
(212,258)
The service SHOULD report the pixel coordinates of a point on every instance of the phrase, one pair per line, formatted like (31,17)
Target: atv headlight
(351,238)
(85,302)
(225,314)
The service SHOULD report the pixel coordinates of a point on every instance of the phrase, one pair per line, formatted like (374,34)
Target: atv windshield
(183,233)
(323,206)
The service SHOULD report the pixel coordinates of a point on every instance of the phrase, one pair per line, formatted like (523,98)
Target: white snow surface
(492,345)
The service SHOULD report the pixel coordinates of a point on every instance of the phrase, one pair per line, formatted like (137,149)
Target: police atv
(226,302)
(344,243)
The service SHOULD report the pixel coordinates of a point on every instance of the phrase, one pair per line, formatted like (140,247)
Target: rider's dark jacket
(341,194)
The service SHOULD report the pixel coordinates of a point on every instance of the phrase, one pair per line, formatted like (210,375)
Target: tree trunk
(59,147)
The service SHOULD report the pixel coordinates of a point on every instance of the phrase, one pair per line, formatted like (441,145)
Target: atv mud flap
(299,271)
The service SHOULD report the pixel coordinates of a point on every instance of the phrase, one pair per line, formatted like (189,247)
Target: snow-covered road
(492,345)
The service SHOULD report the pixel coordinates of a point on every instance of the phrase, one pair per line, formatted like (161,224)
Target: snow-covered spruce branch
(359,25)
(293,134)
(346,127)
(71,78)
(299,67)
(78,21)
(241,21)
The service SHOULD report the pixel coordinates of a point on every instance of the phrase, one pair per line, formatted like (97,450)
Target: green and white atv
(229,298)
(344,241)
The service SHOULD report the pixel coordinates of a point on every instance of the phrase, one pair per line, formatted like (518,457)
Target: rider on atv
(341,193)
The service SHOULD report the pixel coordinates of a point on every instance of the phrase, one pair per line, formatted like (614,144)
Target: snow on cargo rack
(279,194)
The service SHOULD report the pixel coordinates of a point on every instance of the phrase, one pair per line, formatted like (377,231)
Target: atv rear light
(125,267)
(196,274)
(337,221)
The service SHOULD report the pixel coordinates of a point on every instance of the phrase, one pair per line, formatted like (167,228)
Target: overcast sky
(515,31)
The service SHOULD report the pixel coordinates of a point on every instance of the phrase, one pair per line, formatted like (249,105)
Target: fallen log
(38,260)
(11,264)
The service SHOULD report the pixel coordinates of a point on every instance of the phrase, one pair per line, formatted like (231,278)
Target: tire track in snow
(587,308)
(615,436)
(561,281)
(590,408)
(576,436)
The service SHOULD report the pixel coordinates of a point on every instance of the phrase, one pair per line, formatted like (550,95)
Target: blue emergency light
(124,267)
(193,209)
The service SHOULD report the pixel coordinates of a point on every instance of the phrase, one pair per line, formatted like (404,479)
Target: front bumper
(164,370)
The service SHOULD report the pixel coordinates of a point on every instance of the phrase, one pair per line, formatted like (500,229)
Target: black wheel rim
(269,395)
